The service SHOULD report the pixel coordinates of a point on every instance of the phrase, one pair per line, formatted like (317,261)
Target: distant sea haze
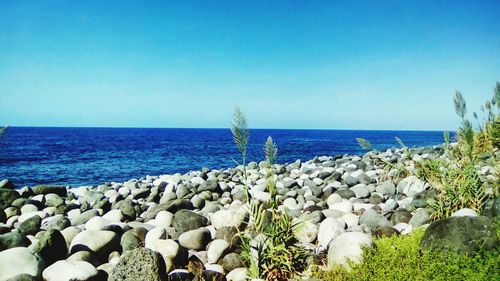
(91,156)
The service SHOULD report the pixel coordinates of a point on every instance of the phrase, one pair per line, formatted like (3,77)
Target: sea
(92,156)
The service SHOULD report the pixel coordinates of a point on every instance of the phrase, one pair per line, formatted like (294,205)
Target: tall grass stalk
(239,129)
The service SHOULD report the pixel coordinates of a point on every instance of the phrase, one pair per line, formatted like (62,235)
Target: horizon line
(228,128)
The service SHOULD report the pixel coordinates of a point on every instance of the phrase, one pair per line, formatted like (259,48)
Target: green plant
(365,144)
(270,150)
(239,129)
(273,254)
(399,258)
(3,131)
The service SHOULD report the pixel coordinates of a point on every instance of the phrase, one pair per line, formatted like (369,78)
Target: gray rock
(140,265)
(348,247)
(7,196)
(100,242)
(51,246)
(185,220)
(232,261)
(216,249)
(181,191)
(59,223)
(84,217)
(70,270)
(385,231)
(210,185)
(228,233)
(46,189)
(6,183)
(133,238)
(464,235)
(328,230)
(401,216)
(12,240)
(420,217)
(373,220)
(360,191)
(23,277)
(196,239)
(386,188)
(53,200)
(31,225)
(17,261)
(345,193)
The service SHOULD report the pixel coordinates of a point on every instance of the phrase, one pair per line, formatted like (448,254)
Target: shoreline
(171,224)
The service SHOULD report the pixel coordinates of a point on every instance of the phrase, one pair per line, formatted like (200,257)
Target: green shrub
(399,258)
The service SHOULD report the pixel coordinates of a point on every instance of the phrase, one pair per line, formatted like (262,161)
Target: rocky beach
(188,226)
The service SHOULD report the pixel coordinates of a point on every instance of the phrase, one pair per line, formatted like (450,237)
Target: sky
(390,65)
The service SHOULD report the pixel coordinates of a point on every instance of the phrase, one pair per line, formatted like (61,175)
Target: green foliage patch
(400,258)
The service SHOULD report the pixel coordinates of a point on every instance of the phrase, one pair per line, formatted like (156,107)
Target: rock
(238,274)
(7,184)
(133,238)
(328,230)
(53,200)
(7,196)
(385,231)
(20,260)
(229,218)
(172,253)
(12,240)
(51,246)
(210,185)
(401,216)
(333,199)
(70,270)
(347,246)
(216,250)
(420,217)
(114,216)
(465,212)
(306,232)
(153,235)
(97,223)
(23,277)
(411,186)
(345,193)
(228,233)
(139,265)
(464,235)
(213,275)
(232,261)
(58,223)
(344,206)
(85,256)
(127,209)
(386,188)
(196,239)
(101,242)
(46,189)
(360,191)
(373,220)
(164,219)
(185,220)
(84,217)
(70,233)
(31,225)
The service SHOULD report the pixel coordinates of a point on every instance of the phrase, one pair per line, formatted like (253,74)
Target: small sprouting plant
(400,142)
(3,131)
(363,143)
(270,150)
(239,129)
(446,137)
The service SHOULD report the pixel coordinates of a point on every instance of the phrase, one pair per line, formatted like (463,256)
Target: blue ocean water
(90,156)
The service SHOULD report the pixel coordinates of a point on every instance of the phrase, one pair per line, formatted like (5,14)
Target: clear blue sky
(288,64)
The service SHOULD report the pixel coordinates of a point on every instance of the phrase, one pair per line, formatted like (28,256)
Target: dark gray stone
(185,220)
(464,235)
(30,226)
(210,185)
(51,246)
(140,264)
(46,189)
(12,240)
(7,196)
